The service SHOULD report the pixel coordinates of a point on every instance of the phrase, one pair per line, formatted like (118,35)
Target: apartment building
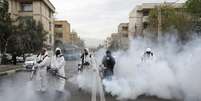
(123,35)
(138,17)
(62,30)
(39,10)
(119,40)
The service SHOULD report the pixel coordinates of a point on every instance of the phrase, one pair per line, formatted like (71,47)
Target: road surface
(18,87)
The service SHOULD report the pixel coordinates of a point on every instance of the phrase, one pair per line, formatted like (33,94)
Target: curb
(11,71)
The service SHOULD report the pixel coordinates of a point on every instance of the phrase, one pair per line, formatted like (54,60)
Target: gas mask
(57,52)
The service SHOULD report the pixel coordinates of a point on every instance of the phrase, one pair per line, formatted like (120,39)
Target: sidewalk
(7,69)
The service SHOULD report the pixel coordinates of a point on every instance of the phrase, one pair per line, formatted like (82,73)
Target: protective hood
(86,49)
(58,52)
(58,49)
(148,50)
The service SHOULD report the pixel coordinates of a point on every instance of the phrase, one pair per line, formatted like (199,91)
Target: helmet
(148,50)
(58,49)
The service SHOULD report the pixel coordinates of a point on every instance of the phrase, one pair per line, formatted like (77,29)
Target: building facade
(75,39)
(119,40)
(123,35)
(39,10)
(62,30)
(138,17)
(107,42)
(3,4)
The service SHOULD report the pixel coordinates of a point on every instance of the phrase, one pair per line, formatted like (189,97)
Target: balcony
(145,19)
(58,30)
(25,13)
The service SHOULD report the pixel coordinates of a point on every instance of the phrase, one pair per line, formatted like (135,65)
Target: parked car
(20,59)
(29,62)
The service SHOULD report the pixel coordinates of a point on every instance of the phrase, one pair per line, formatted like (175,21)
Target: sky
(94,20)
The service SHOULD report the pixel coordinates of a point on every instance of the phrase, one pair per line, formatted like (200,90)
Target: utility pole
(159,22)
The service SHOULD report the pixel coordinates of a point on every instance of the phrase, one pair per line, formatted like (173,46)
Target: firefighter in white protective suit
(148,55)
(88,72)
(86,60)
(58,64)
(43,62)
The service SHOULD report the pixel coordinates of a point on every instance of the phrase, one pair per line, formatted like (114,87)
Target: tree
(171,19)
(6,27)
(29,37)
(26,37)
(194,8)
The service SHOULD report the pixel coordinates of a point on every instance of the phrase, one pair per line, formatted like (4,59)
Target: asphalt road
(18,87)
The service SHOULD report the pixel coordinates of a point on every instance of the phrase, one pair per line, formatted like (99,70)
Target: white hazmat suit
(58,62)
(148,56)
(41,73)
(86,59)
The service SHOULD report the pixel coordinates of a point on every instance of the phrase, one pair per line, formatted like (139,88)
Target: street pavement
(17,87)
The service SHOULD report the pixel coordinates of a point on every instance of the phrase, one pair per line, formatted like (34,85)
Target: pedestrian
(14,58)
(58,64)
(43,62)
(108,65)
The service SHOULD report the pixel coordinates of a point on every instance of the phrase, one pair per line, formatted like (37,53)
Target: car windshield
(29,59)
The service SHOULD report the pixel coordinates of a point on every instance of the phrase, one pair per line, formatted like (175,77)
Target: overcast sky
(95,20)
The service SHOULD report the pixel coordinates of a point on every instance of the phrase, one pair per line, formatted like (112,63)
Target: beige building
(107,42)
(120,39)
(138,17)
(39,10)
(64,35)
(113,41)
(62,31)
(74,38)
(123,35)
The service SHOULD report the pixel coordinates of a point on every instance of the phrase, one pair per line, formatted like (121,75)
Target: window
(145,12)
(50,14)
(59,35)
(50,38)
(26,7)
(125,35)
(50,26)
(125,28)
(58,26)
(145,25)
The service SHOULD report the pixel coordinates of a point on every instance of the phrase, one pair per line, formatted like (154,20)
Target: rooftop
(47,2)
(144,6)
(61,21)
